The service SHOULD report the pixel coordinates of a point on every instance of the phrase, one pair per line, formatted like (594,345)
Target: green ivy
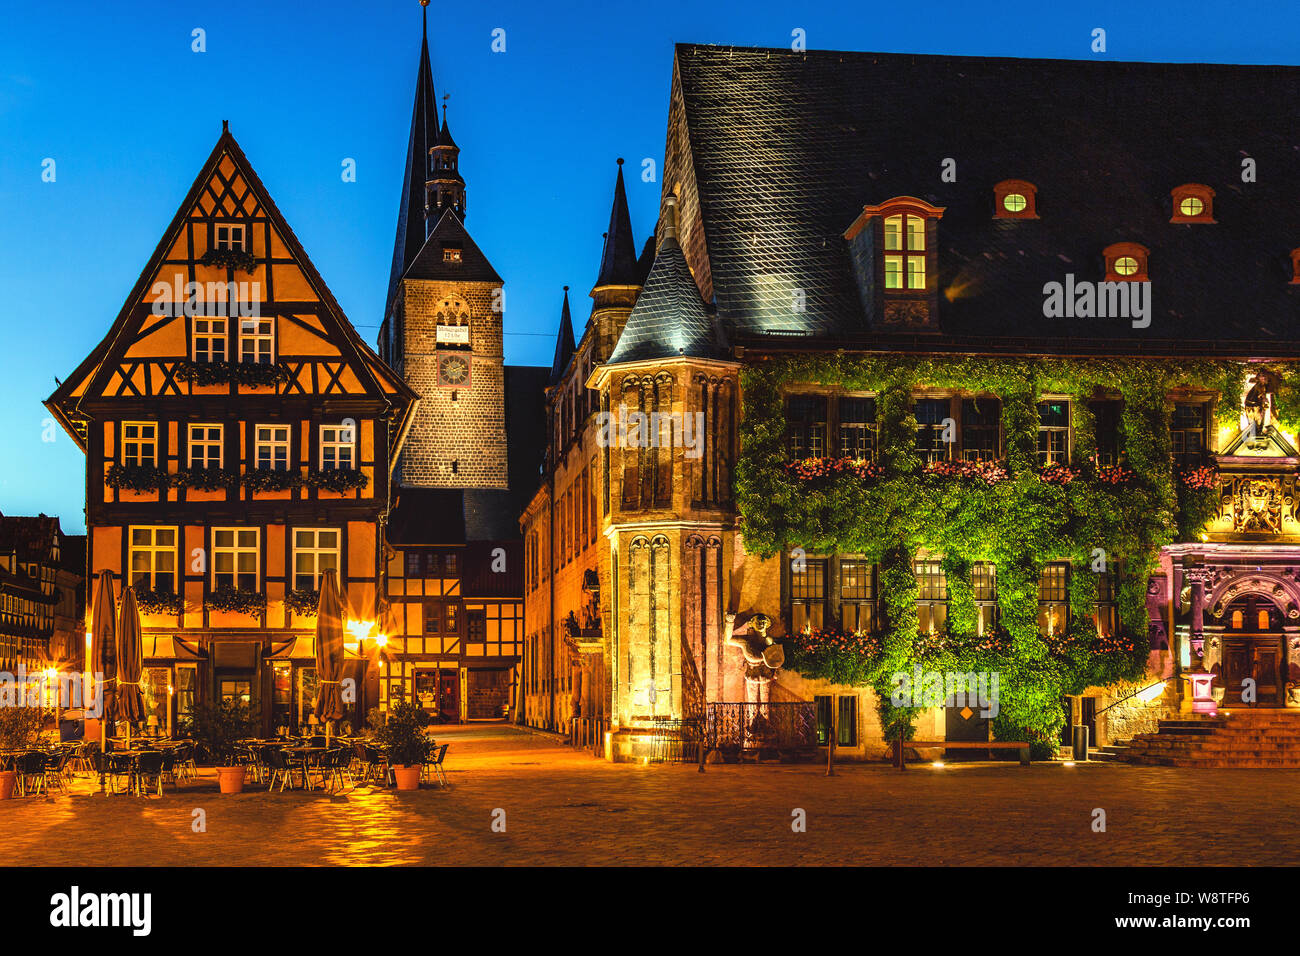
(1081,514)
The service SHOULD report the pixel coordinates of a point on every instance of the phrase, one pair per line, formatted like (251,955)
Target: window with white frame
(205,446)
(272,447)
(153,558)
(209,339)
(228,236)
(337,447)
(314,550)
(256,341)
(236,558)
(1053,431)
(139,444)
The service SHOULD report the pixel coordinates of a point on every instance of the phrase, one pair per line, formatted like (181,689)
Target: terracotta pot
(408,778)
(230,779)
(8,780)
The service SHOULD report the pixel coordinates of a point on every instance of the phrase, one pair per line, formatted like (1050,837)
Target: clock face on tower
(453,370)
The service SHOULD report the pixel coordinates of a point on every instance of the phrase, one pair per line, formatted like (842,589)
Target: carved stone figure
(1258,505)
(1257,405)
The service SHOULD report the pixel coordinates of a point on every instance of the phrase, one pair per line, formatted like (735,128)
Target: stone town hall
(903,461)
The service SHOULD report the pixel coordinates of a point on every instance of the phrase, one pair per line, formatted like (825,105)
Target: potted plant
(19,728)
(408,747)
(218,728)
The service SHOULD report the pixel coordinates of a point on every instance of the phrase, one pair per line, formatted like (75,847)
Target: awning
(167,647)
(303,649)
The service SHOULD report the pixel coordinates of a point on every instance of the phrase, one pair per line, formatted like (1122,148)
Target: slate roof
(564,345)
(788,147)
(430,264)
(410,211)
(669,318)
(618,262)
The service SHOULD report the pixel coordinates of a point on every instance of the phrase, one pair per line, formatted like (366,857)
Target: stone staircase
(1245,737)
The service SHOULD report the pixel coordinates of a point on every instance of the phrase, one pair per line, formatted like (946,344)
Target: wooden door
(1266,666)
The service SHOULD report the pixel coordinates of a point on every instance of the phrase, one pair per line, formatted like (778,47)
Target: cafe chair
(120,768)
(31,769)
(376,769)
(186,768)
(277,761)
(435,762)
(149,772)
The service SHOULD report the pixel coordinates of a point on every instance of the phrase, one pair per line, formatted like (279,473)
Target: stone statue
(762,656)
(1257,405)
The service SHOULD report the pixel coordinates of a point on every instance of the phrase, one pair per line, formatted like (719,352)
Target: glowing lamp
(1068,763)
(937,765)
(381,640)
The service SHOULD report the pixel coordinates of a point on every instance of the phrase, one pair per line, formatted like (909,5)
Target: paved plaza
(562,807)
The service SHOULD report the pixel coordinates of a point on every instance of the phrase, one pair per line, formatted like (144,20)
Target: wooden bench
(900,745)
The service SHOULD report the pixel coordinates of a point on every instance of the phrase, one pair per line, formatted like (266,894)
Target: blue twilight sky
(114,94)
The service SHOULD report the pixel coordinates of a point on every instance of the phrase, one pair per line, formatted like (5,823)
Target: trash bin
(1079,738)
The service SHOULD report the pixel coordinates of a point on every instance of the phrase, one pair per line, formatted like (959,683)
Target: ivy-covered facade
(921,387)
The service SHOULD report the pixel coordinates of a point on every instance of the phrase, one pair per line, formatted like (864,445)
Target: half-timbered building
(239,437)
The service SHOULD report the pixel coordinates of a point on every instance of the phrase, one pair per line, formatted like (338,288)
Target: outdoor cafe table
(311,757)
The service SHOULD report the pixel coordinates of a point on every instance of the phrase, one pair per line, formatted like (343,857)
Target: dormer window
(893,249)
(1126,262)
(1193,202)
(1295,266)
(451,254)
(1014,199)
(904,251)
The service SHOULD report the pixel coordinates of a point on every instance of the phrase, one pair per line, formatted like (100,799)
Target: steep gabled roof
(669,319)
(451,233)
(564,344)
(786,149)
(618,265)
(410,211)
(89,376)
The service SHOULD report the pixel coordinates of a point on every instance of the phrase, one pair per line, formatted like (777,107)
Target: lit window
(451,255)
(153,559)
(808,594)
(256,341)
(229,236)
(905,234)
(858,428)
(205,446)
(139,444)
(337,445)
(980,418)
(1053,594)
(315,550)
(272,447)
(1014,199)
(209,339)
(236,558)
(984,589)
(1193,202)
(805,417)
(1125,262)
(857,595)
(931,597)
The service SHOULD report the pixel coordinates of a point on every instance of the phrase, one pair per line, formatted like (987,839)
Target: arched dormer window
(905,233)
(1015,199)
(1193,202)
(1126,262)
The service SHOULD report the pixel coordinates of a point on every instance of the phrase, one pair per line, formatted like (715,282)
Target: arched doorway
(1254,647)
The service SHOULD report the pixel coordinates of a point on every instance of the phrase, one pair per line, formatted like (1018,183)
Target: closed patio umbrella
(329,651)
(103,649)
(130,655)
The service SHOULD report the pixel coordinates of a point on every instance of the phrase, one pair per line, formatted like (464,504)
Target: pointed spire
(564,346)
(411,228)
(618,262)
(444,134)
(670,319)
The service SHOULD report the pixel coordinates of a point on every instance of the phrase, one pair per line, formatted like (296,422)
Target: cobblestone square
(567,808)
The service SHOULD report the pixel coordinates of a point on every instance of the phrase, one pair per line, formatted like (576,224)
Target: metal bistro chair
(376,766)
(186,768)
(169,766)
(341,767)
(31,768)
(58,770)
(277,761)
(435,761)
(149,772)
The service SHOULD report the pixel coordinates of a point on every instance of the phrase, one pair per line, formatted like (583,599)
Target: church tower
(443,320)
